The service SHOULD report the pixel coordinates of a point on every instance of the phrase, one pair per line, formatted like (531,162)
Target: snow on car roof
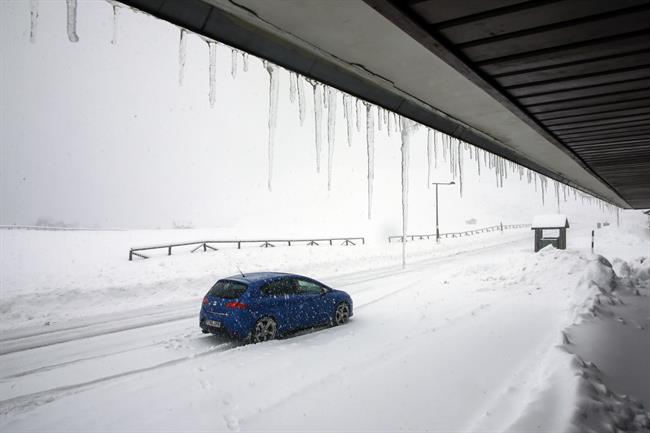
(258,276)
(550,221)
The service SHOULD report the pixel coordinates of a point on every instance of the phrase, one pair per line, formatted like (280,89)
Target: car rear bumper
(235,325)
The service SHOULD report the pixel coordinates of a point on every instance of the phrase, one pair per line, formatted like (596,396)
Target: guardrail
(500,227)
(262,243)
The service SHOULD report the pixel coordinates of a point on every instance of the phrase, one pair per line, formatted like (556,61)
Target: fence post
(169,251)
(130,255)
(592,242)
(501,224)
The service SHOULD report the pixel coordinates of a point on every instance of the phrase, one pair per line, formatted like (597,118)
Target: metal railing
(500,227)
(262,243)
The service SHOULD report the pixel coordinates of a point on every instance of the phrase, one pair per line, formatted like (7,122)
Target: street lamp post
(436,184)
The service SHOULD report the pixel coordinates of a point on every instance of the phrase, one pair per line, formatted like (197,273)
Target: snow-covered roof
(550,221)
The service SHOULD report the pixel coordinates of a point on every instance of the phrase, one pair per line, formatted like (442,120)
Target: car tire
(341,314)
(265,329)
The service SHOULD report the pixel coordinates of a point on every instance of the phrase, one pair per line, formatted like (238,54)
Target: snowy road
(473,349)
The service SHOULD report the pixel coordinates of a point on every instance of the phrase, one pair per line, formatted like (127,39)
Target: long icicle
(444,147)
(72,20)
(406,139)
(245,61)
(213,72)
(233,62)
(358,105)
(460,168)
(436,139)
(274,90)
(318,120)
(430,140)
(379,118)
(301,99)
(347,108)
(33,20)
(116,10)
(331,133)
(293,86)
(370,146)
(182,53)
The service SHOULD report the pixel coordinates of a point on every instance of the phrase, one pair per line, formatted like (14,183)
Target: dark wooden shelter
(550,230)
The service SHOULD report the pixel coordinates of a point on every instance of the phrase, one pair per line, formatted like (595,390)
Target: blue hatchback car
(264,305)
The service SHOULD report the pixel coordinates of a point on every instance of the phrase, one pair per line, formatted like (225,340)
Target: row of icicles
(452,149)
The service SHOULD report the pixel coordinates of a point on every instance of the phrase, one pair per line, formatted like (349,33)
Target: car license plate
(213,323)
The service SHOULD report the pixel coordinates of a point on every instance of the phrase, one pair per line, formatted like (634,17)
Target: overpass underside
(559,86)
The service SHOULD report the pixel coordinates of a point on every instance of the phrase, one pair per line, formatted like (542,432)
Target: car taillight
(236,305)
(205,300)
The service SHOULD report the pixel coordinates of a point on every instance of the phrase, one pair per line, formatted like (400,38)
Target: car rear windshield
(227,289)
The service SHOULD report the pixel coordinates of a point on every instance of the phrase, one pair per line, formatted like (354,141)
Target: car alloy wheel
(265,330)
(342,314)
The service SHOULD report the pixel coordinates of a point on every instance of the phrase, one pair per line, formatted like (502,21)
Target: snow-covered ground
(467,338)
(85,273)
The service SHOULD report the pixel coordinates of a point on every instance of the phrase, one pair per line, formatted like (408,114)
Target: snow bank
(597,296)
(616,336)
(614,332)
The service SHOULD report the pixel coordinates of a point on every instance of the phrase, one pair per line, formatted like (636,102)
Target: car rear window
(227,289)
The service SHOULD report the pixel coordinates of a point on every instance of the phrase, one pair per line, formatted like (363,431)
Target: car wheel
(265,329)
(342,314)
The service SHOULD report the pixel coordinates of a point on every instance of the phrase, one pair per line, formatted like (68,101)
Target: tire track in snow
(36,341)
(415,266)
(30,401)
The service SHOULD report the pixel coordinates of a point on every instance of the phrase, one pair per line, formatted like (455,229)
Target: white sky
(95,134)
